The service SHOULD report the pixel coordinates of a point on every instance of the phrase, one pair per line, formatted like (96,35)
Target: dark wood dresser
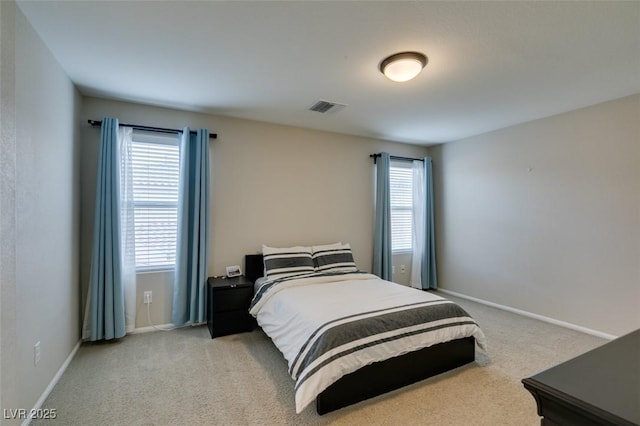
(228,302)
(600,387)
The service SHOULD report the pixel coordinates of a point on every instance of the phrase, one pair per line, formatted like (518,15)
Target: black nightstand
(228,302)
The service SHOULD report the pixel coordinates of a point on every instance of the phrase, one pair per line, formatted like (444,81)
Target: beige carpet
(183,377)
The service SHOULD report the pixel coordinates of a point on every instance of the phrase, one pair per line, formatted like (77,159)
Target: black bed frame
(382,377)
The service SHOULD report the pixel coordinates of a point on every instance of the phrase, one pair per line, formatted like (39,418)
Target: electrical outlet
(147,297)
(403,269)
(36,353)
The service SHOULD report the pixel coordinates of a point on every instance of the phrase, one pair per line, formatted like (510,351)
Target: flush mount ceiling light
(403,66)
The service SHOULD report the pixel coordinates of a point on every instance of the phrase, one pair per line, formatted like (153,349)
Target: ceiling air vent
(326,106)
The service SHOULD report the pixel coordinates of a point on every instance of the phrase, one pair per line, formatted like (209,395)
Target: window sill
(410,251)
(155,270)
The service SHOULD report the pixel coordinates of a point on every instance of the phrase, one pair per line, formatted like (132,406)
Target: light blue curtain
(189,292)
(429,276)
(382,260)
(106,293)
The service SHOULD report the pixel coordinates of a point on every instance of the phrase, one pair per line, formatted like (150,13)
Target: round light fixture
(403,66)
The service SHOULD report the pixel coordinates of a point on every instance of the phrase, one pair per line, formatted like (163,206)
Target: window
(156,172)
(401,185)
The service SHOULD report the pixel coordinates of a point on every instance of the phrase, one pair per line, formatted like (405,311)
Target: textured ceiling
(491,64)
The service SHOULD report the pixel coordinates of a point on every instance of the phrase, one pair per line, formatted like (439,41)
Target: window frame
(396,205)
(153,138)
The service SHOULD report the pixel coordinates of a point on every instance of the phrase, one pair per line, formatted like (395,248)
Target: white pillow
(333,258)
(287,261)
(334,246)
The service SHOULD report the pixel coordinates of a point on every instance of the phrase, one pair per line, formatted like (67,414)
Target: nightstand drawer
(230,322)
(231,299)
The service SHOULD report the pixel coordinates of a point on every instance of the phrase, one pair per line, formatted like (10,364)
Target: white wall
(39,105)
(271,184)
(545,216)
(8,396)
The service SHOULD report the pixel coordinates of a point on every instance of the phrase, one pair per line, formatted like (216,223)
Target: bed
(351,348)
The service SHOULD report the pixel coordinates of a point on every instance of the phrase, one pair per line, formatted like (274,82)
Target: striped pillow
(333,258)
(286,262)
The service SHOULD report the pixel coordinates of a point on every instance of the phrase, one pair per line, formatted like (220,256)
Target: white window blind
(156,173)
(401,185)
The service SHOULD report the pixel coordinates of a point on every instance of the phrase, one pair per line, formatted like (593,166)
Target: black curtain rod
(95,123)
(394,157)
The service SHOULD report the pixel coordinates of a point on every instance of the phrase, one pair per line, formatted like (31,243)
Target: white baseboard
(150,328)
(52,383)
(532,315)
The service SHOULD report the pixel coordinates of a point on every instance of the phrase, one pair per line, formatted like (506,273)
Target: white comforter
(294,313)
